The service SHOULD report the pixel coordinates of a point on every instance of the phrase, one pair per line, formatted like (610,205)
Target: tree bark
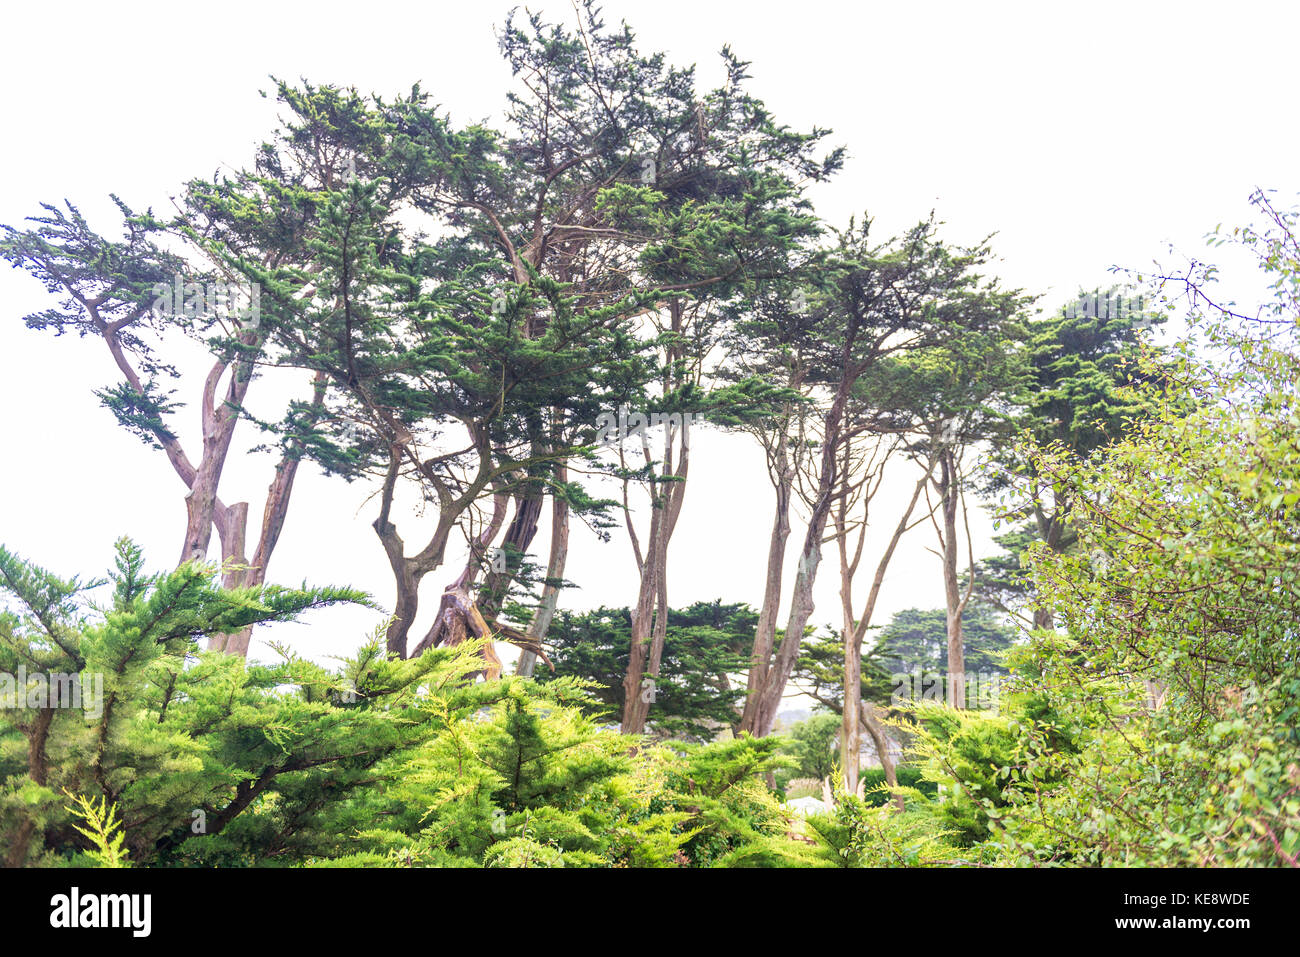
(218,431)
(855,713)
(555,563)
(648,628)
(956,683)
(801,605)
(765,631)
(519,536)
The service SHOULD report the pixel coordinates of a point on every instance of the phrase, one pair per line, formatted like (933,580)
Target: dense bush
(199,758)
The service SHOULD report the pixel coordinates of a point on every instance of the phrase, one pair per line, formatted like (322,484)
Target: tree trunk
(459,620)
(765,631)
(409,571)
(635,709)
(855,713)
(37,771)
(881,741)
(519,536)
(218,423)
(953,603)
(649,630)
(801,605)
(851,726)
(232,530)
(559,555)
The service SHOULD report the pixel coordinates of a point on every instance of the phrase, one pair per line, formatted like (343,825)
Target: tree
(881,300)
(811,744)
(1081,363)
(915,640)
(692,692)
(106,708)
(618,190)
(1175,664)
(122,293)
(171,756)
(963,391)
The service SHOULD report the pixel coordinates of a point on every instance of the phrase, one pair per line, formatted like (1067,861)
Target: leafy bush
(199,758)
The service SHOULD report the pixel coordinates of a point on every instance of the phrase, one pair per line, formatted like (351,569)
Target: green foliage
(875,789)
(737,821)
(917,640)
(693,697)
(972,761)
(530,780)
(1086,383)
(1175,676)
(102,828)
(811,745)
(857,834)
(198,758)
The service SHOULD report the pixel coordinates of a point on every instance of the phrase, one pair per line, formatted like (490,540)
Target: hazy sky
(1085,136)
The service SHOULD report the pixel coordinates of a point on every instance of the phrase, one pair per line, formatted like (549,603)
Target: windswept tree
(139,297)
(703,648)
(878,301)
(1079,396)
(962,394)
(619,194)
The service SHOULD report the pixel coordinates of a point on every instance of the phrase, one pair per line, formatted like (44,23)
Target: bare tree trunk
(801,605)
(232,530)
(951,590)
(559,555)
(765,631)
(454,621)
(218,430)
(878,737)
(409,571)
(855,713)
(458,620)
(636,710)
(950,502)
(649,631)
(851,725)
(519,536)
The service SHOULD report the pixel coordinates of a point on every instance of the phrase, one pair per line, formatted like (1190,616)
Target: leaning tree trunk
(519,536)
(765,631)
(459,616)
(856,713)
(801,604)
(649,630)
(559,555)
(409,571)
(951,587)
(881,741)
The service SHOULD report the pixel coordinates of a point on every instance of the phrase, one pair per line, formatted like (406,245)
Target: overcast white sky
(1084,135)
